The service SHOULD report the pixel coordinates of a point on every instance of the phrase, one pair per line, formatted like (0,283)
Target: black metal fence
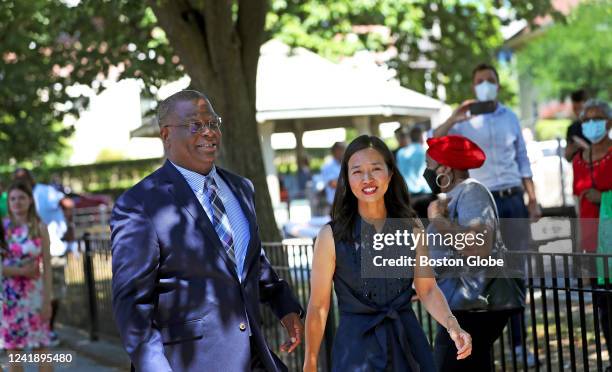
(560,326)
(87,278)
(567,311)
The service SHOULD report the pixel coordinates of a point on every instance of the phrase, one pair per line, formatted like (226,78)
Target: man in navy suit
(189,271)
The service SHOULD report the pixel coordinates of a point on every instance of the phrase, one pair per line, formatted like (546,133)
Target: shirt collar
(500,109)
(195,180)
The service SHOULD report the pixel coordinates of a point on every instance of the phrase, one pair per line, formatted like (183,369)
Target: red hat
(456,152)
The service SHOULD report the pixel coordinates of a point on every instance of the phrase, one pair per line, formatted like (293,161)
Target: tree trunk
(220,56)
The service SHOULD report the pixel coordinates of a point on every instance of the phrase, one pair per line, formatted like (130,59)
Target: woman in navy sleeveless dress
(378,330)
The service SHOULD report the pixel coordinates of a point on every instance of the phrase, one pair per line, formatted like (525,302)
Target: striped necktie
(220,220)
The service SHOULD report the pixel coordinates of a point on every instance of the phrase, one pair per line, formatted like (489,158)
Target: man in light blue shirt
(236,220)
(506,171)
(411,164)
(331,170)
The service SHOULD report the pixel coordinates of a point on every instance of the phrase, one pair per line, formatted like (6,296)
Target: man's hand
(69,235)
(535,213)
(295,330)
(461,112)
(67,206)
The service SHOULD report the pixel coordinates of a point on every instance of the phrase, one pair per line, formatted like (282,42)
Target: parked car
(91,213)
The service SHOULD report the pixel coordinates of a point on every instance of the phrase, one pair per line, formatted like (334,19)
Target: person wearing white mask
(506,171)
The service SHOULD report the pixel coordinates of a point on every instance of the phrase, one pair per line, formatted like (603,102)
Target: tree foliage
(437,43)
(48,46)
(51,51)
(573,54)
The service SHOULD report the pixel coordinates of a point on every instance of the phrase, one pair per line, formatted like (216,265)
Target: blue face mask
(594,130)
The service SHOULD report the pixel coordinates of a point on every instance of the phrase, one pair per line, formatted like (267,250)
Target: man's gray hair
(596,104)
(166,107)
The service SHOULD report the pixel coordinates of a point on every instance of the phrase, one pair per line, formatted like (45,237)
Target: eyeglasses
(198,127)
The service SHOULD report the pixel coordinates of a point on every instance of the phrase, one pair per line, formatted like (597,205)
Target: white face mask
(486,91)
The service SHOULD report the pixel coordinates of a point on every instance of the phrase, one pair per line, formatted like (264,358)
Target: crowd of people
(477,158)
(189,270)
(490,195)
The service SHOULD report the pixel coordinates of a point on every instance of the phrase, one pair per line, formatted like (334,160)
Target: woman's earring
(438,181)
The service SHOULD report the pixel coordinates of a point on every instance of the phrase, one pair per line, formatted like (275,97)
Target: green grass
(548,129)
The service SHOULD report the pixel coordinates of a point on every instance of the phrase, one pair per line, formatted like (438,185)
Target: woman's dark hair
(579,95)
(3,246)
(344,209)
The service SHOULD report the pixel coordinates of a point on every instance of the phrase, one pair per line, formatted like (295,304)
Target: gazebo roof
(299,84)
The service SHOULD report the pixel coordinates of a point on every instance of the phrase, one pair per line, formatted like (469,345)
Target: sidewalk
(79,363)
(87,356)
(105,352)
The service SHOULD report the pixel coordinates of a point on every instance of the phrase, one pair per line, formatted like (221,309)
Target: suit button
(243,326)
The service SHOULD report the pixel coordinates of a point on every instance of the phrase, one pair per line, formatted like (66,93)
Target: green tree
(29,125)
(49,47)
(437,42)
(573,54)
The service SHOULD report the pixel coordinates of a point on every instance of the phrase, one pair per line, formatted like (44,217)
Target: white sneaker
(53,339)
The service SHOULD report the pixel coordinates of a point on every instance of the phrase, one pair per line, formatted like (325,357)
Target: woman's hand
(310,365)
(592,195)
(437,208)
(45,311)
(462,339)
(30,270)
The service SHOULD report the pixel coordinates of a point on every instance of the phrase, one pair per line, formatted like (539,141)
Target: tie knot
(209,183)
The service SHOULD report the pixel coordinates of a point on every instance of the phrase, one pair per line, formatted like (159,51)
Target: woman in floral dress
(2,250)
(26,308)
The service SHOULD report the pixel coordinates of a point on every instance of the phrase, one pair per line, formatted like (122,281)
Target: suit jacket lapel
(241,196)
(178,187)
